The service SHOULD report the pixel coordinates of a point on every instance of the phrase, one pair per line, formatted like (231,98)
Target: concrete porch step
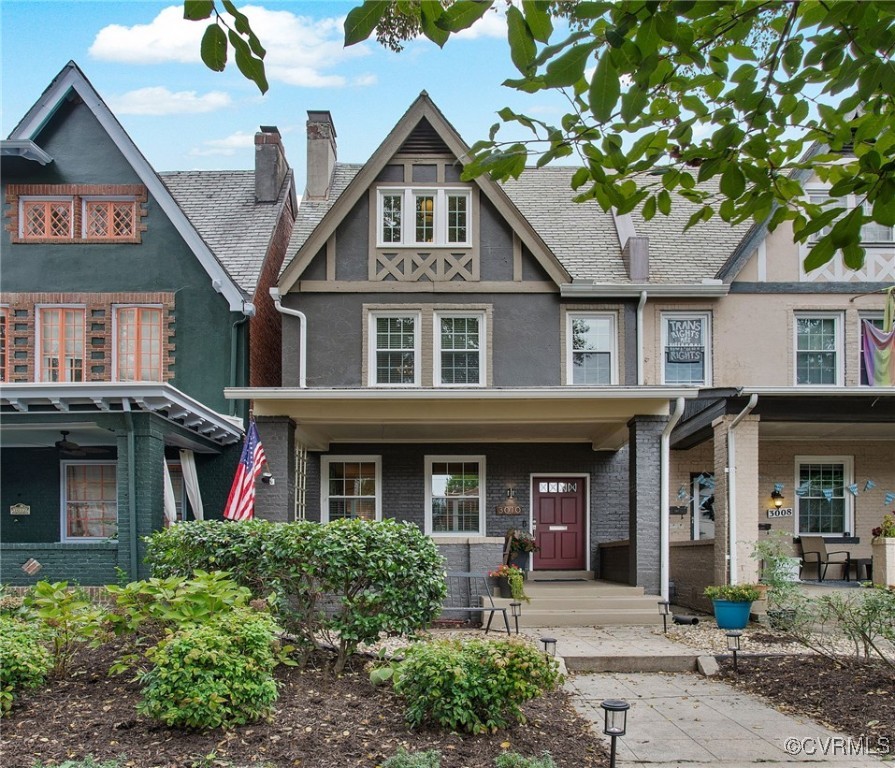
(560,576)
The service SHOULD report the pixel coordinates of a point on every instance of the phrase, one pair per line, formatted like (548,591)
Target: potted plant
(779,574)
(510,582)
(522,543)
(732,603)
(883,546)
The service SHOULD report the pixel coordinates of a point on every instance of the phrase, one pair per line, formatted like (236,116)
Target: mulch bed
(321,721)
(856,700)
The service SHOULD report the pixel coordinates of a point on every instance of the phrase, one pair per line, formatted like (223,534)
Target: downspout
(131,485)
(303,334)
(732,487)
(640,306)
(233,357)
(664,483)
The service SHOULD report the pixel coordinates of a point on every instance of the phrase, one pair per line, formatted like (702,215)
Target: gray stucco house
(128,301)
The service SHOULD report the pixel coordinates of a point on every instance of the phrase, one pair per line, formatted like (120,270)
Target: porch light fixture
(664,612)
(733,644)
(511,492)
(516,612)
(615,717)
(549,644)
(777,498)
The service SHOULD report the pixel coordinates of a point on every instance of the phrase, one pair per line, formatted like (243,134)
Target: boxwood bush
(24,659)
(475,685)
(214,674)
(352,578)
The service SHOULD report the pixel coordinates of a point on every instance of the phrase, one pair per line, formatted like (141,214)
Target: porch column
(275,502)
(644,519)
(744,500)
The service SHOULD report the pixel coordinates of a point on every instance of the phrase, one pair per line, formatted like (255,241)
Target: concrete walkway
(678,719)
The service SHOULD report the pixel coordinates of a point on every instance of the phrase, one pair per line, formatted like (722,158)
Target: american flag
(241,503)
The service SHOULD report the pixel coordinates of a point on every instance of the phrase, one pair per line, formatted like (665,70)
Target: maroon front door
(559,523)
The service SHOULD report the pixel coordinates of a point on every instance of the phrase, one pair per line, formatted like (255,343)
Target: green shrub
(405,759)
(213,674)
(735,593)
(515,760)
(71,617)
(24,660)
(352,578)
(473,685)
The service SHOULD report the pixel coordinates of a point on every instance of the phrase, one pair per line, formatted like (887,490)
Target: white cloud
(492,24)
(230,145)
(161,101)
(300,50)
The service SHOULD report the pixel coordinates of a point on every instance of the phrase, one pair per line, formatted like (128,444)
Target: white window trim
(429,461)
(38,323)
(848,477)
(613,351)
(840,346)
(372,349)
(408,216)
(115,310)
(483,341)
(325,461)
(63,497)
(46,199)
(707,343)
(104,199)
(184,502)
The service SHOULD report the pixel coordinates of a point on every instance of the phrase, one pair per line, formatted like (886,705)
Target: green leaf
(250,66)
(196,10)
(463,14)
(522,43)
(214,48)
(569,68)
(605,89)
(884,212)
(245,29)
(649,208)
(663,199)
(819,255)
(733,182)
(634,101)
(360,22)
(537,16)
(430,11)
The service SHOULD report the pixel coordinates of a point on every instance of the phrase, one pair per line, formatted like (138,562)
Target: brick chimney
(321,154)
(270,164)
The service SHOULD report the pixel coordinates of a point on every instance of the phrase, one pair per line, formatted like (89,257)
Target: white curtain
(170,504)
(191,483)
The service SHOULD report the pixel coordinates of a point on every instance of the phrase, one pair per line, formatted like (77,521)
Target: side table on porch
(865,563)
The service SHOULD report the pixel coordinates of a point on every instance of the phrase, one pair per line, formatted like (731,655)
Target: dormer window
(413,217)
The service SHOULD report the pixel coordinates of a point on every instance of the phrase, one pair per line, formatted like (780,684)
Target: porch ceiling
(598,416)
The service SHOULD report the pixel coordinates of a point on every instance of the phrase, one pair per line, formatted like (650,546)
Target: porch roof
(26,405)
(595,415)
(793,413)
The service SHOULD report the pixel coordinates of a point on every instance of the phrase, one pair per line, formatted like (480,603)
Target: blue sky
(143,59)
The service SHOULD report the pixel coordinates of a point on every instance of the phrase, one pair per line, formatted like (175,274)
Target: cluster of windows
(410,216)
(62,343)
(53,218)
(820,349)
(454,492)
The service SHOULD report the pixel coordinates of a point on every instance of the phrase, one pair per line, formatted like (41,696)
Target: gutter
(585,289)
(131,486)
(664,483)
(732,486)
(303,340)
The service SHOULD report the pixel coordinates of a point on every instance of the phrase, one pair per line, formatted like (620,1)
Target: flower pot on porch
(730,614)
(504,589)
(884,562)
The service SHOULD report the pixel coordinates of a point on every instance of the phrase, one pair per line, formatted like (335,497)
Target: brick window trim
(78,193)
(22,310)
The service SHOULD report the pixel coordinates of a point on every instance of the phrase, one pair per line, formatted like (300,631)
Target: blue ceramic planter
(730,615)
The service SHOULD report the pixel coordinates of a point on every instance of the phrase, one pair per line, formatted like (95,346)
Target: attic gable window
(872,233)
(47,219)
(414,216)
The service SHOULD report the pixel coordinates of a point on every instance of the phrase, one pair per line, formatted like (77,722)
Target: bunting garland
(708,482)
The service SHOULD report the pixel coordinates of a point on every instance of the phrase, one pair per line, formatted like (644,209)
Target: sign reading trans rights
(684,343)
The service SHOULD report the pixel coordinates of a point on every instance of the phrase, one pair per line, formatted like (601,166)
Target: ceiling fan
(72,448)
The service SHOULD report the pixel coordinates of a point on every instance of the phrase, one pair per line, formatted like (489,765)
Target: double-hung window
(351,487)
(46,218)
(591,349)
(411,216)
(459,349)
(822,496)
(818,349)
(455,495)
(61,353)
(89,500)
(138,343)
(686,348)
(394,349)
